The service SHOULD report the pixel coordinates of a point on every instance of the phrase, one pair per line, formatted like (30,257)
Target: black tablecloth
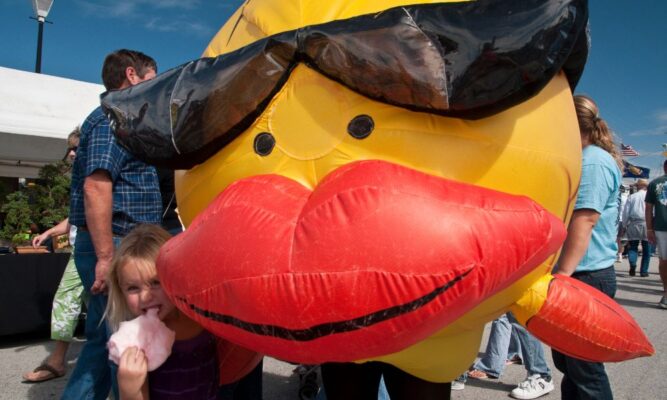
(28,283)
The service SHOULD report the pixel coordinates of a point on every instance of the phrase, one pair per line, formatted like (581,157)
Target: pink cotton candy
(146,332)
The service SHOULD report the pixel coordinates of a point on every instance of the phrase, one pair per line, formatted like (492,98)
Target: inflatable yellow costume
(293,117)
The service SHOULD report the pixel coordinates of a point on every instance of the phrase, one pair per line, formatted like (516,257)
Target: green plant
(46,202)
(51,194)
(18,217)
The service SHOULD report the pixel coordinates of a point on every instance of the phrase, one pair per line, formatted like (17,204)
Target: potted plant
(51,194)
(45,203)
(18,217)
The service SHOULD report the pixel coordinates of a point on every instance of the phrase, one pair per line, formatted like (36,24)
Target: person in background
(538,381)
(634,226)
(503,345)
(621,240)
(590,248)
(69,297)
(656,225)
(111,192)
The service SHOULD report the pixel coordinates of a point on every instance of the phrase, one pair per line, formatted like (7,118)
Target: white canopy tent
(37,112)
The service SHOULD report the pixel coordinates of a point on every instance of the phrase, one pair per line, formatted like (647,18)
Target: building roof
(37,112)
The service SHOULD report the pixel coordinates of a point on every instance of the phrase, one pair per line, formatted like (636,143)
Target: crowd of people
(123,210)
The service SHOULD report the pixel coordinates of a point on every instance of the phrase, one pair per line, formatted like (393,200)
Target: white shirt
(624,199)
(72,235)
(634,207)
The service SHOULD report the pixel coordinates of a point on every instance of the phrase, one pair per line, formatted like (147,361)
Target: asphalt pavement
(636,379)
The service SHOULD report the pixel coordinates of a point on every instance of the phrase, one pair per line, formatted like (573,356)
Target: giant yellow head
(360,172)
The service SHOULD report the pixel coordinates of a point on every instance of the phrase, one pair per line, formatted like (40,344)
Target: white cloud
(145,11)
(184,4)
(120,9)
(659,130)
(661,115)
(162,25)
(127,7)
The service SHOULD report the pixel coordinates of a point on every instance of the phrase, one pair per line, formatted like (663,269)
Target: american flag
(628,151)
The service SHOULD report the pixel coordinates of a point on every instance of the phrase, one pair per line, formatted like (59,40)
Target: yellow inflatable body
(532,149)
(287,160)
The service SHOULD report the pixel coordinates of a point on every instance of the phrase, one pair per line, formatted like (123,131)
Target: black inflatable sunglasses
(465,60)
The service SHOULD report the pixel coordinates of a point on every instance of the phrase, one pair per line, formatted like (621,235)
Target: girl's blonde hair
(597,130)
(140,246)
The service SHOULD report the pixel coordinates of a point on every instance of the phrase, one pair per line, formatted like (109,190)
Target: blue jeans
(508,336)
(584,379)
(633,254)
(92,377)
(531,349)
(497,348)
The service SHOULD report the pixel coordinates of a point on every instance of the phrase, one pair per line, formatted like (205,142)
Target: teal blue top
(599,190)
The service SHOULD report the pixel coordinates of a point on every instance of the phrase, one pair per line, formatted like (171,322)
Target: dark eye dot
(264,143)
(361,126)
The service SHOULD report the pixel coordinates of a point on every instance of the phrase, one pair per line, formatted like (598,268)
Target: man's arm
(648,215)
(578,237)
(98,202)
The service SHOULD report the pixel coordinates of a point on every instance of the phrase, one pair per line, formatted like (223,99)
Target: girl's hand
(132,373)
(37,240)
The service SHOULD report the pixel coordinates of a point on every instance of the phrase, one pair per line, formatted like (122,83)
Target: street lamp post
(41,8)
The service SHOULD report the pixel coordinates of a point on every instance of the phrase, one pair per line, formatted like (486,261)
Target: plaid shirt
(136,192)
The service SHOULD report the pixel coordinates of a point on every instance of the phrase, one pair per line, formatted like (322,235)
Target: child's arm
(61,228)
(132,375)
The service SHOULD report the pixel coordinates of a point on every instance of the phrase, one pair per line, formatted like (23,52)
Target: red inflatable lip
(330,328)
(376,258)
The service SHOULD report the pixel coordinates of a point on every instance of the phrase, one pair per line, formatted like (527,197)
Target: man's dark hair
(113,70)
(664,166)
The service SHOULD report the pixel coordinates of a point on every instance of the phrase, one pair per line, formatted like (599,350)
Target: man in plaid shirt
(111,192)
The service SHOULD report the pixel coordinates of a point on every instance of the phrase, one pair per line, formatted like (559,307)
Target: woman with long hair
(590,248)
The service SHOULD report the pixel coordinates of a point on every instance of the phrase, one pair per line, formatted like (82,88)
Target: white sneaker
(663,302)
(619,257)
(533,387)
(458,385)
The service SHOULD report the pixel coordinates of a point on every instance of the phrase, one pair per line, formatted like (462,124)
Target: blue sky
(625,73)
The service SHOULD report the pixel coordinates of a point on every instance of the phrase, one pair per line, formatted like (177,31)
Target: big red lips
(376,258)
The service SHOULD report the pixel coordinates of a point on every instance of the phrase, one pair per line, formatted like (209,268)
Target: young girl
(191,371)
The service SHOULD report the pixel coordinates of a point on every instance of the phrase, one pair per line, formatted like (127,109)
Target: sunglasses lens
(218,98)
(391,60)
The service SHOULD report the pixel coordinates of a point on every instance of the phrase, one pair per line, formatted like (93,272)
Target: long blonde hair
(141,246)
(595,128)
